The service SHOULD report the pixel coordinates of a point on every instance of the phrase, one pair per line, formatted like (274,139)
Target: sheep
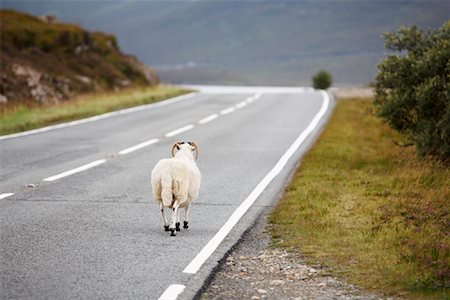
(176,183)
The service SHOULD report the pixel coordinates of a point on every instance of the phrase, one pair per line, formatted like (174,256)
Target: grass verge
(369,209)
(25,117)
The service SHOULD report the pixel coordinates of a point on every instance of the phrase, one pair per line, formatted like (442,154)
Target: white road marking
(172,292)
(5,195)
(211,89)
(226,111)
(241,104)
(179,130)
(76,170)
(212,245)
(99,117)
(138,146)
(250,99)
(253,98)
(208,119)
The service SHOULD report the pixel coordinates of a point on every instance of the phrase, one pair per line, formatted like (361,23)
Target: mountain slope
(45,62)
(280,42)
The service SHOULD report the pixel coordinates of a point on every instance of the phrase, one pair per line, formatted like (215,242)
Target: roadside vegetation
(27,116)
(322,80)
(369,209)
(413,88)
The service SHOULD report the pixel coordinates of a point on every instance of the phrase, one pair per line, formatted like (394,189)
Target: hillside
(44,61)
(253,42)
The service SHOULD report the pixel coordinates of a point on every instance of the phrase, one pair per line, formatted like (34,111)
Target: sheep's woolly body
(176,183)
(175,179)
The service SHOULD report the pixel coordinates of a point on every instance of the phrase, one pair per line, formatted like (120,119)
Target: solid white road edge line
(179,130)
(99,117)
(172,292)
(138,146)
(5,195)
(76,170)
(208,119)
(226,111)
(212,245)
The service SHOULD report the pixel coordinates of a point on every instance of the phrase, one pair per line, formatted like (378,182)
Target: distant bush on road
(322,80)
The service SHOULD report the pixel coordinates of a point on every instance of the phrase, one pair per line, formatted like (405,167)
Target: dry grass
(369,209)
(24,117)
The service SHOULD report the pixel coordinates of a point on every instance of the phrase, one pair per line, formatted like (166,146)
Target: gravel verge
(253,270)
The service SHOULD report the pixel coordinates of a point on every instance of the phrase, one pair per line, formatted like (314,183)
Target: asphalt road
(77,218)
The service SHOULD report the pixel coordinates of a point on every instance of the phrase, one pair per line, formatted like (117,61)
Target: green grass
(24,117)
(369,209)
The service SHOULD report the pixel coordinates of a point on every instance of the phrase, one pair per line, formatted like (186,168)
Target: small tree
(322,80)
(413,88)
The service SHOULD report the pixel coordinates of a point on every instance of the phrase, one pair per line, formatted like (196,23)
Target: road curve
(77,219)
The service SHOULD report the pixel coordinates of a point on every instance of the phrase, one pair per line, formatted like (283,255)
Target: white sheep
(176,183)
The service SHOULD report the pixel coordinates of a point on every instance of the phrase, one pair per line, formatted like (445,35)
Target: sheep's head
(191,146)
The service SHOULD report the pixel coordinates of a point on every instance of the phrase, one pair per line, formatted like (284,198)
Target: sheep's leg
(163,215)
(177,222)
(174,218)
(186,217)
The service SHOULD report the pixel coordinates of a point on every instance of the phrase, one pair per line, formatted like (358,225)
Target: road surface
(77,218)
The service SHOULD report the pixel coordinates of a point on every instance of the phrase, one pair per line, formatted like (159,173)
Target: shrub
(322,80)
(413,88)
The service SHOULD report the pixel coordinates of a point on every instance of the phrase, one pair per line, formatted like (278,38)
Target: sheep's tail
(166,190)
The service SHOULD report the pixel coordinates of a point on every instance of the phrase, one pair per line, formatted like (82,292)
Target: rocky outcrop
(46,62)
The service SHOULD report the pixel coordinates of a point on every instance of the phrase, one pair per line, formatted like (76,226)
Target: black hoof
(172,232)
(166,228)
(177,226)
(185,225)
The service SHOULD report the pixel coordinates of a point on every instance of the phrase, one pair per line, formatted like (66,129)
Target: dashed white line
(253,98)
(250,99)
(172,292)
(138,146)
(179,130)
(208,119)
(212,245)
(227,111)
(76,170)
(5,195)
(241,104)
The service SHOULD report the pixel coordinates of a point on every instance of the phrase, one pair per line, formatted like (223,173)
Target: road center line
(208,119)
(172,292)
(212,245)
(179,130)
(253,98)
(241,104)
(76,170)
(138,146)
(226,111)
(5,195)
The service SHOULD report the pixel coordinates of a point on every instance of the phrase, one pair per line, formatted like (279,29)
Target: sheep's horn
(194,144)
(173,148)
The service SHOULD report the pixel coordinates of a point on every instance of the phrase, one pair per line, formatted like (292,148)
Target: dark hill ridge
(250,41)
(45,61)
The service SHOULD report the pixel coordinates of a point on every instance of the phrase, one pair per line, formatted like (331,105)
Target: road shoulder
(254,270)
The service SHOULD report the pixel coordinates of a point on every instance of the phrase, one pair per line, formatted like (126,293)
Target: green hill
(44,61)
